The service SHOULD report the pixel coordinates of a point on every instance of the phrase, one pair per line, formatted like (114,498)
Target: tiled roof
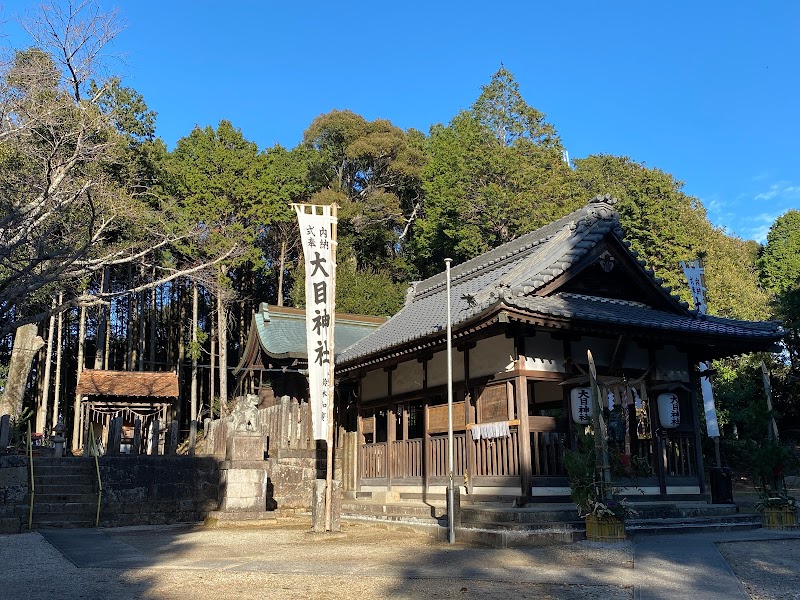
(128,383)
(282,330)
(635,314)
(513,274)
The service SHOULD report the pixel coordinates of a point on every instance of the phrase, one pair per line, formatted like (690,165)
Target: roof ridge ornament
(601,208)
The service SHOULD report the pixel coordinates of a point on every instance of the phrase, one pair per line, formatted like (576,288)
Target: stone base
(387,497)
(244,490)
(219,518)
(245,446)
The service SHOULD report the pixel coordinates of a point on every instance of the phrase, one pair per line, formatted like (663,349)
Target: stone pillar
(336,506)
(87,431)
(137,436)
(5,433)
(192,437)
(114,435)
(153,438)
(318,507)
(172,441)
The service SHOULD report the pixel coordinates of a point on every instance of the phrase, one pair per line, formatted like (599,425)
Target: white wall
(375,385)
(671,365)
(602,350)
(407,377)
(543,353)
(492,355)
(437,368)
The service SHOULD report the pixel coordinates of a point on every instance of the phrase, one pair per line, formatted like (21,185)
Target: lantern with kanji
(581,402)
(669,410)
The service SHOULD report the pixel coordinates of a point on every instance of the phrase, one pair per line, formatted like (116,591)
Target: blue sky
(706,91)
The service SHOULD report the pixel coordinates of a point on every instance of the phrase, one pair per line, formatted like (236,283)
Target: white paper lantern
(669,410)
(581,402)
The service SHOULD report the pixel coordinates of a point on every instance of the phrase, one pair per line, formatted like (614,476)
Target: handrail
(33,485)
(99,481)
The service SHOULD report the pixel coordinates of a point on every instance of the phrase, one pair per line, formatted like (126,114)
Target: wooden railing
(680,454)
(438,455)
(372,460)
(497,457)
(547,453)
(406,457)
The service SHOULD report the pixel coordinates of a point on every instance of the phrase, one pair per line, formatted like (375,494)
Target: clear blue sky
(708,91)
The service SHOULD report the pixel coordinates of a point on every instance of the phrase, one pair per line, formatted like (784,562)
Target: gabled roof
(525,274)
(140,384)
(280,332)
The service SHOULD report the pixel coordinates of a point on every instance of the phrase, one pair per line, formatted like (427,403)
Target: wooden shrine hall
(524,316)
(131,395)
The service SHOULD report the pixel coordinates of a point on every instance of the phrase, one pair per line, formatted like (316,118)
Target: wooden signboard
(493,403)
(367,425)
(437,418)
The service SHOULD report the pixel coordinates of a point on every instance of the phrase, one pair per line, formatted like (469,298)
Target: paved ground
(286,561)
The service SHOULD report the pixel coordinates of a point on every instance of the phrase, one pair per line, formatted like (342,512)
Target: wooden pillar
(698,449)
(469,417)
(426,442)
(659,449)
(524,434)
(391,425)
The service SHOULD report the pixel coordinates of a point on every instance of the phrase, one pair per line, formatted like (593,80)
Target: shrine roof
(525,274)
(143,384)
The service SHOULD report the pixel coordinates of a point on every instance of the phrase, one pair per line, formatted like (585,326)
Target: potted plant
(605,516)
(769,462)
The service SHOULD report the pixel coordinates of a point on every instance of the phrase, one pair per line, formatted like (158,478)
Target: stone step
(54,497)
(635,527)
(64,470)
(56,524)
(52,488)
(393,511)
(64,508)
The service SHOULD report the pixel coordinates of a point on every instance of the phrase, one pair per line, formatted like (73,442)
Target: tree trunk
(26,345)
(280,273)
(222,328)
(41,413)
(129,345)
(195,303)
(153,315)
(60,336)
(76,413)
(212,373)
(100,353)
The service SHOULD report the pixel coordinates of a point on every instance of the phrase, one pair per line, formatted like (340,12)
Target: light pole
(450,490)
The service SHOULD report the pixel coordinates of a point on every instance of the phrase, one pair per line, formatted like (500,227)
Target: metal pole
(450,490)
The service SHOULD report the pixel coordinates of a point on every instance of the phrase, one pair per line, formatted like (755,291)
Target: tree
(67,208)
(371,169)
(495,172)
(779,267)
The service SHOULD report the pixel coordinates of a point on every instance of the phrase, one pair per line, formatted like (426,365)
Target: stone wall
(13,492)
(153,490)
(292,473)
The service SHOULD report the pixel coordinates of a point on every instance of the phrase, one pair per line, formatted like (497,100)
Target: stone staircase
(504,525)
(66,492)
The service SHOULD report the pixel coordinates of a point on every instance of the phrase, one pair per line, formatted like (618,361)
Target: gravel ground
(280,562)
(286,561)
(767,569)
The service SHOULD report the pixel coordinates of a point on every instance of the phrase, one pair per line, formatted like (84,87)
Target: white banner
(318,233)
(693,271)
